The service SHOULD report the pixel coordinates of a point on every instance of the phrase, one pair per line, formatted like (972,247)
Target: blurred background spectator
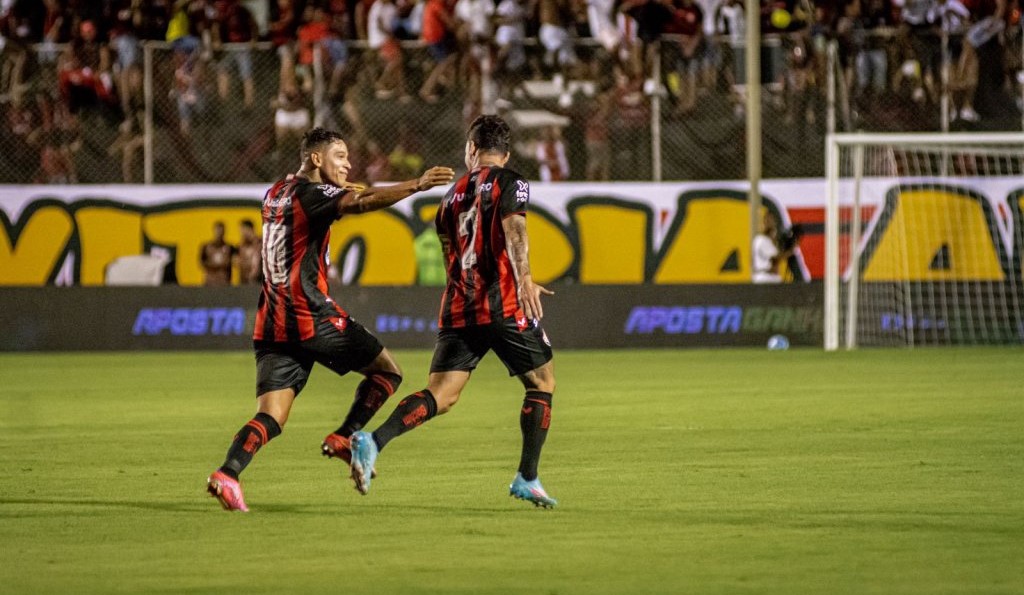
(229,85)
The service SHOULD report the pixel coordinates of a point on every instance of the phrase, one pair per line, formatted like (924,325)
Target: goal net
(923,240)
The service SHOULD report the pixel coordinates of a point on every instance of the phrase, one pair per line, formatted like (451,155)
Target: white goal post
(923,239)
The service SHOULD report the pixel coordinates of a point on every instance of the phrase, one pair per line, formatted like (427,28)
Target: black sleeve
(320,201)
(515,194)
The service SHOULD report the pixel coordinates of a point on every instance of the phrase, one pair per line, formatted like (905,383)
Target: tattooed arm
(517,244)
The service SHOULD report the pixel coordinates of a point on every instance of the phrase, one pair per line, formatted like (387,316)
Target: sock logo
(545,422)
(252,443)
(416,417)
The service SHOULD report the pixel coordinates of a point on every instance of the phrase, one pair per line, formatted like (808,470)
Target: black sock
(410,413)
(534,420)
(253,435)
(371,394)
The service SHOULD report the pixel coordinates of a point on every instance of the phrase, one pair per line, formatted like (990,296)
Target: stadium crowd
(227,64)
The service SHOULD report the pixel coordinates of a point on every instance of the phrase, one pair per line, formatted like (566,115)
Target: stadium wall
(590,234)
(578,316)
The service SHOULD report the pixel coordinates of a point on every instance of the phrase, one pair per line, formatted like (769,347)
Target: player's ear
(316,158)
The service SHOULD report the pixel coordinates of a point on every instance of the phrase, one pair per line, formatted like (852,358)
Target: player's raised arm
(518,245)
(380,197)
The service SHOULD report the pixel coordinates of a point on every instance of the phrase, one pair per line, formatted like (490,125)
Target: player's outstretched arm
(518,245)
(381,197)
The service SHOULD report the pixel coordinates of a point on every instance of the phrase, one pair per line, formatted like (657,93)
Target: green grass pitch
(718,471)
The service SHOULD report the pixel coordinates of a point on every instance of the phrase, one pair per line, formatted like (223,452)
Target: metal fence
(182,114)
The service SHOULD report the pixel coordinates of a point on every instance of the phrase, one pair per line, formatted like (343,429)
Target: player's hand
(435,176)
(529,298)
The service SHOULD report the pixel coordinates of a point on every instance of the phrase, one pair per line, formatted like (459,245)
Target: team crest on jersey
(330,189)
(522,191)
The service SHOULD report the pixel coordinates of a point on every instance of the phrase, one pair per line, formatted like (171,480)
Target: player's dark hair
(247,223)
(317,139)
(490,133)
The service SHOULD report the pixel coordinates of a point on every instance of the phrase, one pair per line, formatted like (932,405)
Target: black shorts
(287,365)
(521,350)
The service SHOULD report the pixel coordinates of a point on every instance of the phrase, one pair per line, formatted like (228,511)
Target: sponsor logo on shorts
(339,323)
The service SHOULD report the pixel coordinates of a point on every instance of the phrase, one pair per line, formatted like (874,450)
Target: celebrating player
(490,302)
(297,322)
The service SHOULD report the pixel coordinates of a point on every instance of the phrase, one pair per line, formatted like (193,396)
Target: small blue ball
(778,343)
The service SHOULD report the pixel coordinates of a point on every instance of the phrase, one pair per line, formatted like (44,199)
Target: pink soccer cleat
(227,490)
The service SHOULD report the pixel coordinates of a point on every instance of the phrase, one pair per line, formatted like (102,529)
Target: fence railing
(235,115)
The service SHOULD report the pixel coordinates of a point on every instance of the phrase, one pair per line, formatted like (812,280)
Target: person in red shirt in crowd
(438,33)
(313,32)
(281,32)
(235,25)
(85,79)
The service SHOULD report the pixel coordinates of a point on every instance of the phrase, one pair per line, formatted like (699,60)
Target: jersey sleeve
(515,196)
(320,201)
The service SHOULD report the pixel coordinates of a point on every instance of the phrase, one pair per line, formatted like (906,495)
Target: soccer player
(490,302)
(297,323)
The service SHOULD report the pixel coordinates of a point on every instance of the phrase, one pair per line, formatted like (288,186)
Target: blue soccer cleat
(364,455)
(531,491)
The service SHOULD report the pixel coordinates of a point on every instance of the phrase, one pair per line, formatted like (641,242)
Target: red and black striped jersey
(297,217)
(481,282)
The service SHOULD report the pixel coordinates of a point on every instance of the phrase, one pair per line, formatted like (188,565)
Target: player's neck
(311,175)
(488,161)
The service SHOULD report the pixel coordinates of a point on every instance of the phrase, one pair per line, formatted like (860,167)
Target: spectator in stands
(381,23)
(55,30)
(216,257)
(981,70)
(313,32)
(475,34)
(872,31)
(187,28)
(953,19)
(629,130)
(281,32)
(291,121)
(550,155)
(86,79)
(124,42)
(601,20)
(557,18)
(129,143)
(924,43)
(688,23)
(189,78)
(248,257)
(510,18)
(235,25)
(150,19)
(438,34)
